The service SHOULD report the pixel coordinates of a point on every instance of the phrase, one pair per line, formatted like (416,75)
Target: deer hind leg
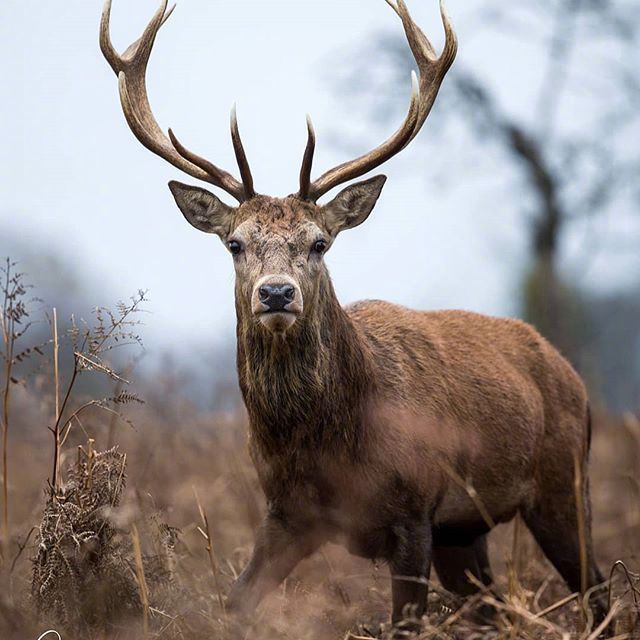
(553,521)
(455,564)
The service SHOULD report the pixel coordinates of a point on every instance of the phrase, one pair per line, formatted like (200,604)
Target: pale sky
(74,177)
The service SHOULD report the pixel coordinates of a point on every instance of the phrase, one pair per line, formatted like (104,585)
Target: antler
(432,72)
(130,67)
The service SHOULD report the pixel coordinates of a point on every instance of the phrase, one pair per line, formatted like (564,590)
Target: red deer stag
(364,419)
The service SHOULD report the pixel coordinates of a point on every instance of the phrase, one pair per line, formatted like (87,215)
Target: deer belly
(481,507)
(371,545)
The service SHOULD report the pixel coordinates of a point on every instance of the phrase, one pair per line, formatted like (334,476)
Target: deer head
(277,244)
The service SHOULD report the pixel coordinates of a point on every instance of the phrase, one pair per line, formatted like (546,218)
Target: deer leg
(453,563)
(553,521)
(410,565)
(278,549)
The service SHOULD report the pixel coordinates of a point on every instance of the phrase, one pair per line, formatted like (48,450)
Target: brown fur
(367,418)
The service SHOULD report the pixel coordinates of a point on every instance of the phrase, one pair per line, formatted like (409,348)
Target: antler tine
(365,163)
(106,46)
(393,5)
(432,68)
(130,67)
(432,71)
(241,156)
(307,161)
(212,172)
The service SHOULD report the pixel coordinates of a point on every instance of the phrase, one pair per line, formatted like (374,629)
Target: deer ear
(352,205)
(202,209)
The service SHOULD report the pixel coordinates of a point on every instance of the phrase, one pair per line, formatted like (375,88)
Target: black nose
(276,296)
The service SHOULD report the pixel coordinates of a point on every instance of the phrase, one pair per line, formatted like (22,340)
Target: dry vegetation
(144,539)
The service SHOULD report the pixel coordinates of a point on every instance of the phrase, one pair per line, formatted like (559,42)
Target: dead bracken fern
(85,571)
(79,549)
(86,575)
(91,346)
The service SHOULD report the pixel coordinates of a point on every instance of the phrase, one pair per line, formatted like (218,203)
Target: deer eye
(235,247)
(319,246)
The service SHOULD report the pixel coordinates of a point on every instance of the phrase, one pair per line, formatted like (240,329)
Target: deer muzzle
(277,302)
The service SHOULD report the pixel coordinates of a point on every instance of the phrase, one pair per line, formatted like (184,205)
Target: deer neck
(304,390)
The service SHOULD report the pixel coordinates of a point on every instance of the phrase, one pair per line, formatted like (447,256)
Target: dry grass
(98,558)
(329,595)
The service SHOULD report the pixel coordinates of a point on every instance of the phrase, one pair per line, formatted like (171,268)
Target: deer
(369,423)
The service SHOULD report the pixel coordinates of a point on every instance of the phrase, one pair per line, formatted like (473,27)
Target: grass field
(176,453)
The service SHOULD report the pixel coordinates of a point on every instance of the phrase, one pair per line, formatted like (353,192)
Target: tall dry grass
(144,540)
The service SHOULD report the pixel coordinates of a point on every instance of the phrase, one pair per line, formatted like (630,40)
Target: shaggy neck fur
(306,390)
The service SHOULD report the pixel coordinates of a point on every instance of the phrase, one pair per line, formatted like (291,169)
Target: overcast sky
(75,180)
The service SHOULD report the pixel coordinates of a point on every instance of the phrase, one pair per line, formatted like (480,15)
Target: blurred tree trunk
(548,302)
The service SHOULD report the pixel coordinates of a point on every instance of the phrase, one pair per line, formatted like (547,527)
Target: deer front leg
(410,565)
(277,551)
